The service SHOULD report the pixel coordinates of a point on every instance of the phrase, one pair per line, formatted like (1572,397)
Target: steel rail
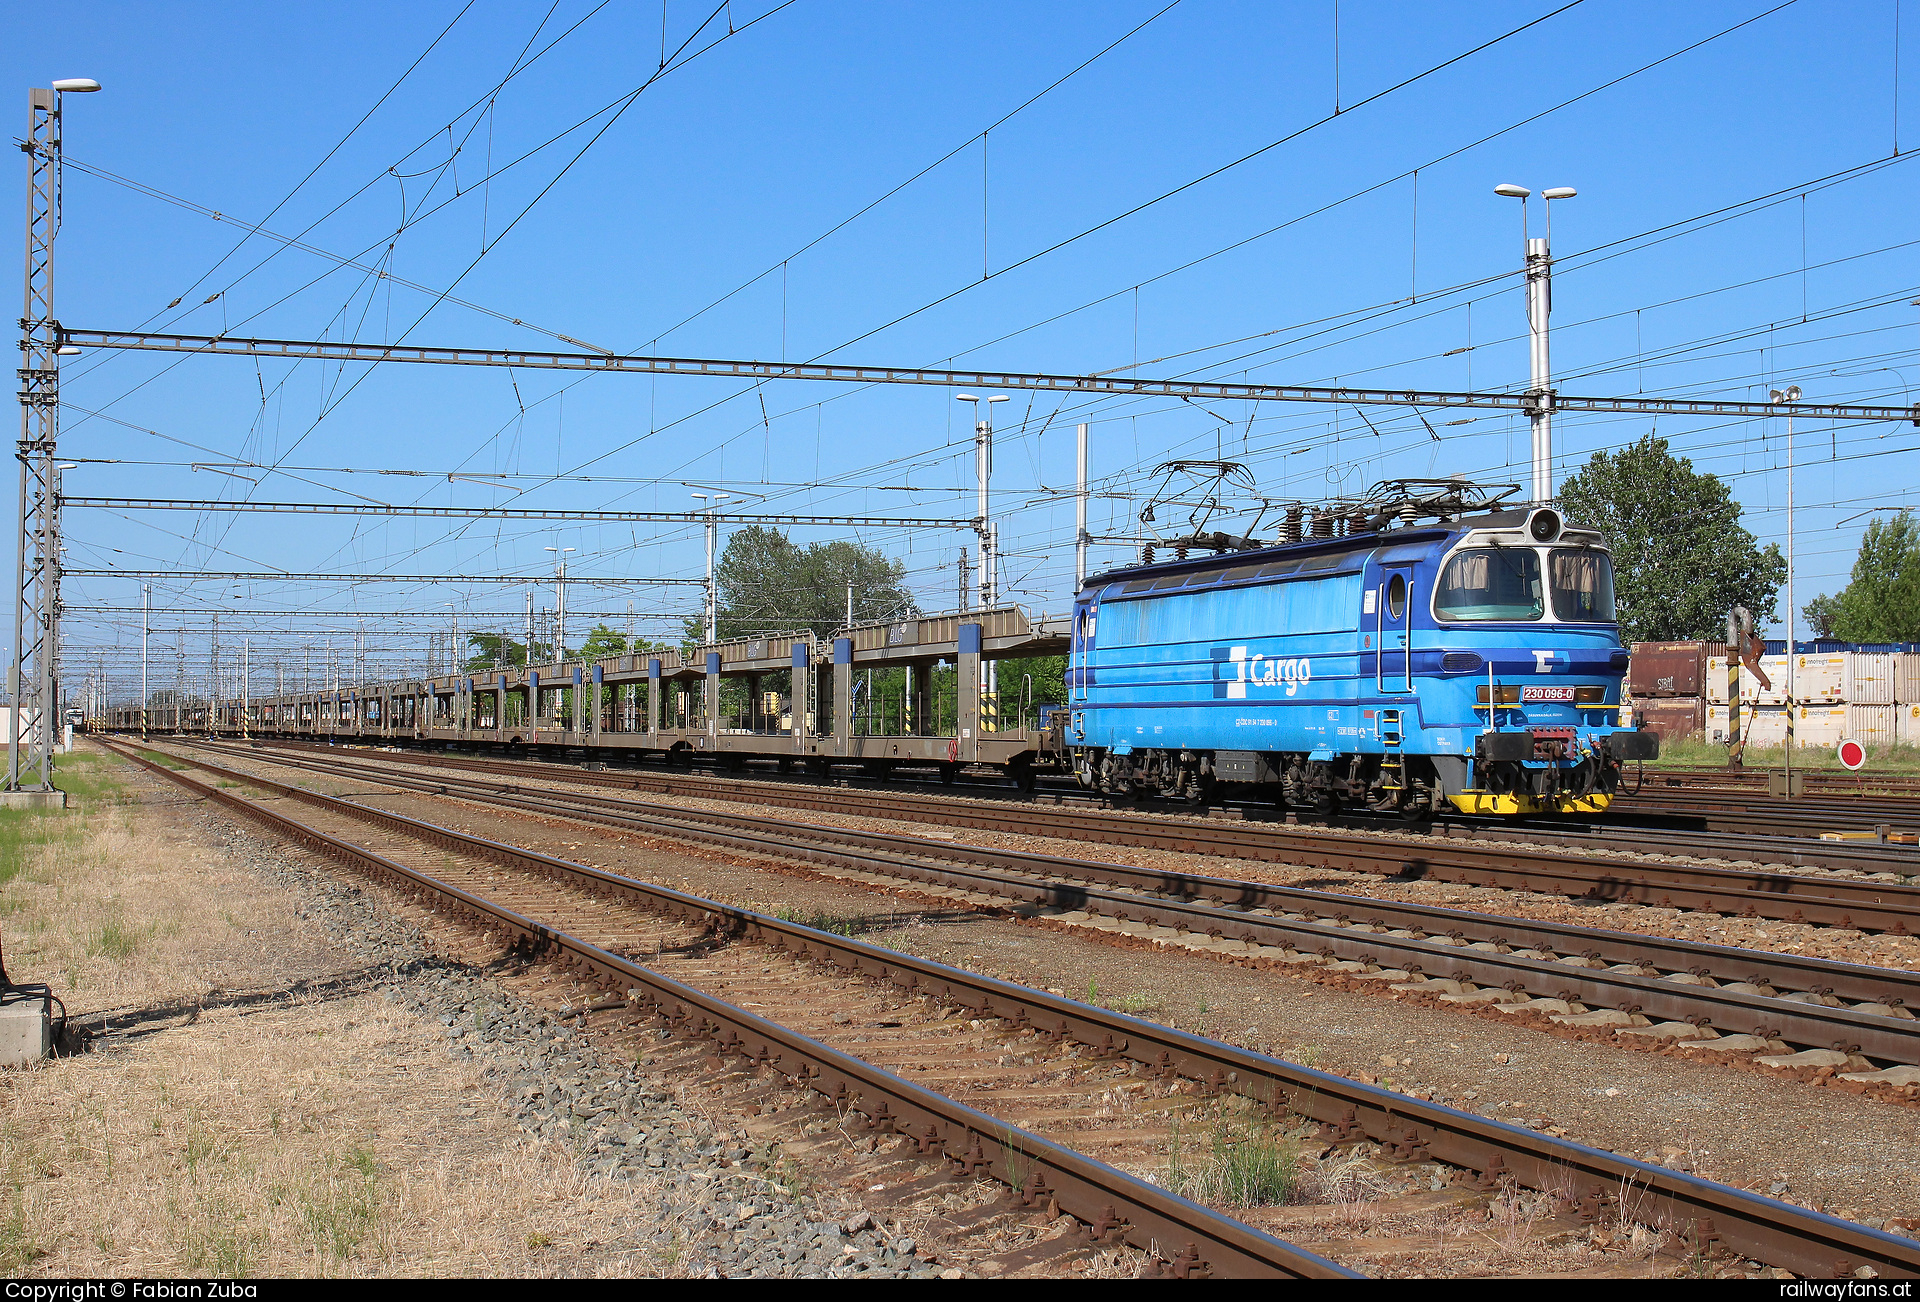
(1444,953)
(1696,1213)
(1036,1168)
(1822,900)
(1104,384)
(1891,783)
(1732,847)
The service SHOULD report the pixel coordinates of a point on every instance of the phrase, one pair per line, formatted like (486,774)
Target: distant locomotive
(1474,663)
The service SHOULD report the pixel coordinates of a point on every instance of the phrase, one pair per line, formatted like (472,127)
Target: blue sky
(1324,258)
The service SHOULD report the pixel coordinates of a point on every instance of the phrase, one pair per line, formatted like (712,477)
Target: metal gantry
(283,576)
(1116,385)
(521,513)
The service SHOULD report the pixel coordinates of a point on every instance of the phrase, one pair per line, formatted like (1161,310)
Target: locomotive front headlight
(1589,696)
(1544,525)
(1505,695)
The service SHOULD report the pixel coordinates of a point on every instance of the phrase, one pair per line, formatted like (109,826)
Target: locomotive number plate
(1546,693)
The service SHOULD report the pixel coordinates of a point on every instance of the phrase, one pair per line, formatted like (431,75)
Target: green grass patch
(343,1206)
(820,920)
(88,776)
(165,761)
(114,939)
(1239,1160)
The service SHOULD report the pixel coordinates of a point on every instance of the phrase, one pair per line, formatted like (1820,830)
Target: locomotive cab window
(1490,584)
(1397,596)
(1582,585)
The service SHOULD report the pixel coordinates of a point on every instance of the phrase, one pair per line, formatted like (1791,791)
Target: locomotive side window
(1502,584)
(1397,596)
(1582,585)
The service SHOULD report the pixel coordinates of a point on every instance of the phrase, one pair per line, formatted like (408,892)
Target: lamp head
(76,85)
(1559,192)
(1511,191)
(966,397)
(998,397)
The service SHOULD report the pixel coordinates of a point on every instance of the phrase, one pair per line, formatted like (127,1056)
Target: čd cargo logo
(1257,670)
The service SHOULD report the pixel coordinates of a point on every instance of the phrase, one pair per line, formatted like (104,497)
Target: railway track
(676,930)
(1819,781)
(1739,811)
(1653,987)
(1823,899)
(1696,1216)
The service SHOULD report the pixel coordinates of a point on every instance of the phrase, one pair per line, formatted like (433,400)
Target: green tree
(1882,602)
(1680,555)
(601,642)
(765,583)
(490,649)
(1048,687)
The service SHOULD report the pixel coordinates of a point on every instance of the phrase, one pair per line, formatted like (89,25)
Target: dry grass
(320,1137)
(118,909)
(329,1139)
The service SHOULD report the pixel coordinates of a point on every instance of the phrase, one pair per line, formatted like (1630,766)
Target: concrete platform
(26,1025)
(33,800)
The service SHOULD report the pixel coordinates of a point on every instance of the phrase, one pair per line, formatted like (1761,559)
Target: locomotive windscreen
(1582,585)
(1489,584)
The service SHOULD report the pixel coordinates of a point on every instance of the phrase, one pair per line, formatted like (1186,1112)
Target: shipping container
(1906,724)
(1871,725)
(1760,725)
(1675,718)
(1869,679)
(1815,727)
(1820,726)
(1749,685)
(1672,668)
(1842,677)
(1906,678)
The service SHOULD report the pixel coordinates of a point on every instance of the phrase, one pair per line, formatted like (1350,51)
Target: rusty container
(1675,718)
(1671,668)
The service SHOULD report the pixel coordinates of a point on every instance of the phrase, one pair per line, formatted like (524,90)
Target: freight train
(1374,660)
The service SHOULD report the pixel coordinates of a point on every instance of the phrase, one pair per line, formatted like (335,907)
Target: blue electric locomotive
(1474,662)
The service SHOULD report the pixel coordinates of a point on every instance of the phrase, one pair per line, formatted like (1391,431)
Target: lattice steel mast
(36,612)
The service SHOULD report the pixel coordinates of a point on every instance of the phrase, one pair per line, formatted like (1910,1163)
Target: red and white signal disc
(1852,753)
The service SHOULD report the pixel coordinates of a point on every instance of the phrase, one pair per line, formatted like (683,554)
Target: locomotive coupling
(1504,746)
(1632,745)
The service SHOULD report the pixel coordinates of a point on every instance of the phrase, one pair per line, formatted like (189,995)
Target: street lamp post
(1539,265)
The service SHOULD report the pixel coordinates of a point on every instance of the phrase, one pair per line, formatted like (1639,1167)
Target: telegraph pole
(36,578)
(146,628)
